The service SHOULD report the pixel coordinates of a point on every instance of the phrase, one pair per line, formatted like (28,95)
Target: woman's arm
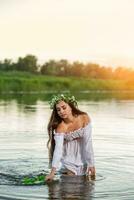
(57,155)
(89,154)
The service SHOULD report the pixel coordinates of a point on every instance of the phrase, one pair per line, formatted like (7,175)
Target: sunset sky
(100,31)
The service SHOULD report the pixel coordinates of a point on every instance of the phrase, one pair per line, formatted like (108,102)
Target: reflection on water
(32,99)
(71,187)
(23,138)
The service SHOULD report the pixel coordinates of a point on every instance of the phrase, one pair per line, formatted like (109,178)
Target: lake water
(23,137)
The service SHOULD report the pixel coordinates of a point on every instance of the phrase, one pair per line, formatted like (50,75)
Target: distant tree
(91,70)
(52,67)
(28,63)
(123,73)
(105,73)
(77,68)
(63,67)
(7,65)
(49,67)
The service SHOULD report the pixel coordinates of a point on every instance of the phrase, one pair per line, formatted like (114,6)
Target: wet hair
(54,121)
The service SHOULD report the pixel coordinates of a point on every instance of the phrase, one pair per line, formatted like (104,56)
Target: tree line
(63,67)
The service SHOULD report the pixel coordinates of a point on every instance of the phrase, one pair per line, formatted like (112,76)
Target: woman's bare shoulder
(85,119)
(60,128)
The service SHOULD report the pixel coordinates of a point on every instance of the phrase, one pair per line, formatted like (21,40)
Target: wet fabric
(74,150)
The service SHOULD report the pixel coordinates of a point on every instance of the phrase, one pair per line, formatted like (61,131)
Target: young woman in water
(70,141)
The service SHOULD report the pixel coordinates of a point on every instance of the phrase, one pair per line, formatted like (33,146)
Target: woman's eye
(64,108)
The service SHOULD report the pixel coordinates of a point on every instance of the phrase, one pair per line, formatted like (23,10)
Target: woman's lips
(63,115)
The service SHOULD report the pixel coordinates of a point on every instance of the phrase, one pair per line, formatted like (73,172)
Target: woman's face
(63,109)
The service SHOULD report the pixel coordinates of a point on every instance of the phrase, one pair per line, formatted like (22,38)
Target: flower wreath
(56,98)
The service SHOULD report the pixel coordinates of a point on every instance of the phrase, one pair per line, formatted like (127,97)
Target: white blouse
(74,150)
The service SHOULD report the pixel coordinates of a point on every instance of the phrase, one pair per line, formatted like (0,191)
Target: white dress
(74,150)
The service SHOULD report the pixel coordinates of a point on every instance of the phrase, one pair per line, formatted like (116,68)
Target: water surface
(23,138)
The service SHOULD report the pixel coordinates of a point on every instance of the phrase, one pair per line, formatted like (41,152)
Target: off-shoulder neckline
(71,132)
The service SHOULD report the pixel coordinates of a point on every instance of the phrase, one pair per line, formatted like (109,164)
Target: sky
(99,31)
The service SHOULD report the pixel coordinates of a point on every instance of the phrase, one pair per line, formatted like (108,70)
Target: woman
(70,142)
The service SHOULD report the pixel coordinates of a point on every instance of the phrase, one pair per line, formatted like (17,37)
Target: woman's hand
(49,177)
(91,172)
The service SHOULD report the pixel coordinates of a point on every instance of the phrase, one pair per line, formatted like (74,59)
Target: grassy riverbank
(27,82)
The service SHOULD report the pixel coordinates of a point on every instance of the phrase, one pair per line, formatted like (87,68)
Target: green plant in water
(39,179)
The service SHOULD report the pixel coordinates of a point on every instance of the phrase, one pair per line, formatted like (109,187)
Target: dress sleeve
(88,146)
(57,155)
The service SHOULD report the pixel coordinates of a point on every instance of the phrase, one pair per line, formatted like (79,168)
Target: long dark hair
(54,121)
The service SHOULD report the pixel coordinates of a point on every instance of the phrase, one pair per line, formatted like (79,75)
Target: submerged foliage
(37,180)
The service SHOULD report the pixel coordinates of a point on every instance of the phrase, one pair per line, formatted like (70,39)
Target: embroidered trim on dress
(73,134)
